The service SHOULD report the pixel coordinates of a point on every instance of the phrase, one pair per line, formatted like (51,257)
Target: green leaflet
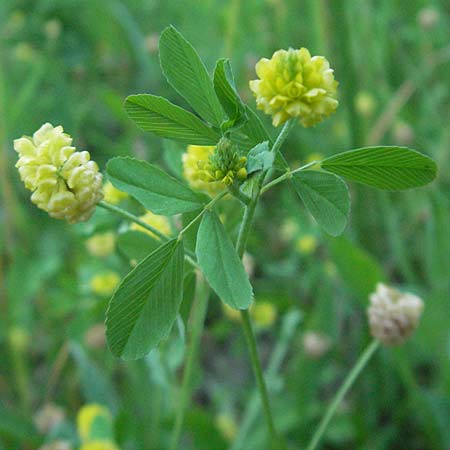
(326,198)
(155,189)
(259,158)
(136,244)
(146,303)
(221,264)
(391,168)
(228,96)
(157,115)
(186,72)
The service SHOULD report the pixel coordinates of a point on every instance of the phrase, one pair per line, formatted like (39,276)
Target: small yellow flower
(194,155)
(112,194)
(227,426)
(160,223)
(19,338)
(365,103)
(99,445)
(24,52)
(86,417)
(294,84)
(306,244)
(101,244)
(264,314)
(64,182)
(104,283)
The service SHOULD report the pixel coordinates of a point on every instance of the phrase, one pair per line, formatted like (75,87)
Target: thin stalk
(319,26)
(131,217)
(234,190)
(258,372)
(284,133)
(246,324)
(196,324)
(252,409)
(127,215)
(207,207)
(247,327)
(231,26)
(341,28)
(286,176)
(345,387)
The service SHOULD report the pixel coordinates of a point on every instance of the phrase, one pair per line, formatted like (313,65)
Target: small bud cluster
(393,315)
(224,164)
(64,182)
(194,155)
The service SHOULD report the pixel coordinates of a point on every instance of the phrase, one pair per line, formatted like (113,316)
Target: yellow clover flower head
(112,194)
(104,283)
(64,182)
(160,223)
(195,155)
(294,84)
(86,417)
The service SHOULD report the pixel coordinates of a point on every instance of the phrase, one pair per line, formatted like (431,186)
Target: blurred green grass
(72,62)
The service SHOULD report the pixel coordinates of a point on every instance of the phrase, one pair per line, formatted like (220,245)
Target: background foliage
(73,62)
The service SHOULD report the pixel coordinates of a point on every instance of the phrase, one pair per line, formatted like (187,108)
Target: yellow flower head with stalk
(64,182)
(294,84)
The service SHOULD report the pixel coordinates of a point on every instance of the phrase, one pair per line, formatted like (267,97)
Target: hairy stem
(241,244)
(340,394)
(196,323)
(286,176)
(131,217)
(258,372)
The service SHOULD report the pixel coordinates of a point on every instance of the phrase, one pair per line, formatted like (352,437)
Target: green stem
(248,330)
(196,324)
(231,26)
(207,207)
(345,387)
(126,215)
(284,133)
(341,28)
(236,192)
(258,372)
(246,324)
(287,175)
(131,217)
